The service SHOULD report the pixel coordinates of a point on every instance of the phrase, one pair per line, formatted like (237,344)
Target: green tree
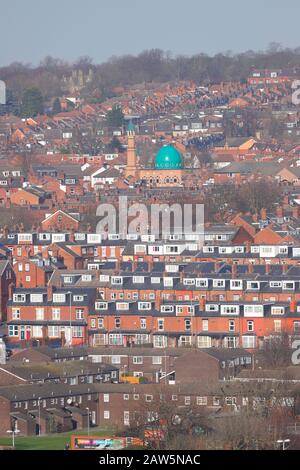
(56,107)
(115,117)
(32,103)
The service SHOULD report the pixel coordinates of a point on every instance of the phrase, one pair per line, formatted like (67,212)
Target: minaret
(131,155)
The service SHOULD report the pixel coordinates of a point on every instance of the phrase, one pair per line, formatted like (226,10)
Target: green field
(50,442)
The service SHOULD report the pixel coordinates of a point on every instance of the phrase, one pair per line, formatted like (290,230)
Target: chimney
(134,265)
(5,232)
(72,235)
(157,302)
(268,269)
(10,291)
(217,266)
(293,306)
(279,212)
(285,268)
(150,265)
(202,304)
(118,266)
(233,271)
(263,214)
(295,212)
(49,292)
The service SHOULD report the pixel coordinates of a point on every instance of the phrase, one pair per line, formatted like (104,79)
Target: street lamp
(88,410)
(13,432)
(39,405)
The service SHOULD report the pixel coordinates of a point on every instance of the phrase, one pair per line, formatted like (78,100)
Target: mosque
(168,170)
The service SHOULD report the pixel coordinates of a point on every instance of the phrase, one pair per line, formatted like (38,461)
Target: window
(122,306)
(187,324)
(297,326)
(125,396)
(229,309)
(230,342)
(204,325)
(202,401)
(106,414)
(126,418)
(36,298)
(236,284)
(159,341)
(116,360)
(143,323)
(59,298)
(144,305)
(250,325)
(117,322)
(201,282)
(187,400)
(77,331)
(161,324)
(149,398)
(115,339)
(216,401)
(249,342)
(37,332)
(19,298)
(53,331)
(137,360)
(219,283)
(13,330)
(101,305)
(231,325)
(79,313)
(156,360)
(277,310)
(211,307)
(230,400)
(93,322)
(39,314)
(106,397)
(56,314)
(16,315)
(204,342)
(78,298)
(277,326)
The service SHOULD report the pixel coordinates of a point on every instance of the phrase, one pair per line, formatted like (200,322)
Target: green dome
(168,158)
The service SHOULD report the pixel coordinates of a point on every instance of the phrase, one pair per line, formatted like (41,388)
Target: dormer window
(253,285)
(236,284)
(59,298)
(138,279)
(122,306)
(101,305)
(144,305)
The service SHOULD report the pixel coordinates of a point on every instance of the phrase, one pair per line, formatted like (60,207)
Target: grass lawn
(52,441)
